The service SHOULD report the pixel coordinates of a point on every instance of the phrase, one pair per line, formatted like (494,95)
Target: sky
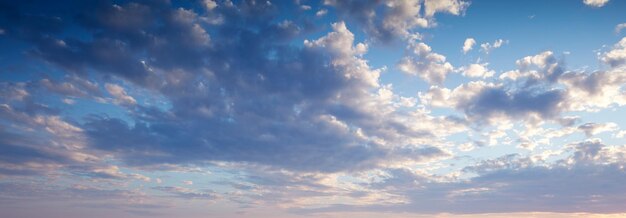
(302,108)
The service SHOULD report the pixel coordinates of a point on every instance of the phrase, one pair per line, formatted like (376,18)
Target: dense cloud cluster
(290,113)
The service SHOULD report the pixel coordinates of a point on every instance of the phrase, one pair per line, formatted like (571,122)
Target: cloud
(617,56)
(468,45)
(593,91)
(487,102)
(209,4)
(595,3)
(591,129)
(455,7)
(293,118)
(311,109)
(477,70)
(543,66)
(507,184)
(321,12)
(73,87)
(388,19)
(422,62)
(488,47)
(13,91)
(120,95)
(187,193)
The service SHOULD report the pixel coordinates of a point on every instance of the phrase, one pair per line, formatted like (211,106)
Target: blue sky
(335,108)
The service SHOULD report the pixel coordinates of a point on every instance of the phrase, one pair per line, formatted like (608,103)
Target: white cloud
(488,47)
(120,95)
(468,45)
(426,64)
(616,56)
(321,12)
(595,3)
(594,91)
(403,16)
(340,44)
(477,70)
(209,4)
(455,7)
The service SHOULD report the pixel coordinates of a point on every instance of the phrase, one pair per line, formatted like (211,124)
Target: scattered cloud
(423,62)
(468,45)
(595,3)
(156,108)
(488,47)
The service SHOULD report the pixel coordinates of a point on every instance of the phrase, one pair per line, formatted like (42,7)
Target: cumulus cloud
(477,70)
(595,3)
(617,56)
(209,4)
(388,19)
(487,101)
(297,124)
(468,45)
(423,62)
(455,7)
(508,183)
(318,99)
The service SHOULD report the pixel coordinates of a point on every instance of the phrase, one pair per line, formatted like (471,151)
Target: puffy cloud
(315,103)
(402,17)
(297,125)
(477,70)
(617,56)
(488,102)
(468,45)
(387,19)
(508,183)
(424,63)
(543,66)
(209,4)
(455,7)
(595,3)
(593,91)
